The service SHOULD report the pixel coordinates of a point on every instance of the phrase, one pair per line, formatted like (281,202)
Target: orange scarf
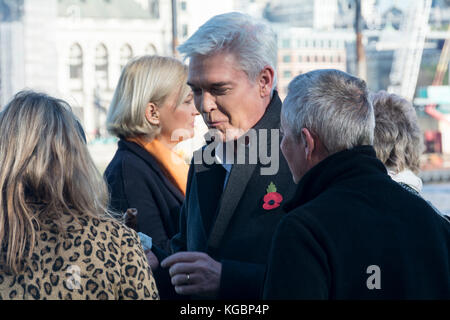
(174,167)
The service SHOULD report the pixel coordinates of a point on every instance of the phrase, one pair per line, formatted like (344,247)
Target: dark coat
(136,180)
(241,233)
(348,216)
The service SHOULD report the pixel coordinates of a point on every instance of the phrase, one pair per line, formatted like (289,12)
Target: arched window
(126,53)
(76,67)
(150,49)
(101,66)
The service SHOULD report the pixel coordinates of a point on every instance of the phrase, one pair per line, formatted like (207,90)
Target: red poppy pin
(272,199)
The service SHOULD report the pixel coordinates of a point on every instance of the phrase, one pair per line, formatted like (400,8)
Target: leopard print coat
(102,259)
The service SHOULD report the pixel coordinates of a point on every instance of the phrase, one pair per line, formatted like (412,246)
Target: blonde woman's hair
(144,79)
(398,140)
(45,172)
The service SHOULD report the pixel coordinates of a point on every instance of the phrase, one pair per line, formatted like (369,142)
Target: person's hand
(194,273)
(130,217)
(152,260)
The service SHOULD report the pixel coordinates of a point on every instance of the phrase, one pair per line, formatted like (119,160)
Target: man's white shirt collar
(220,152)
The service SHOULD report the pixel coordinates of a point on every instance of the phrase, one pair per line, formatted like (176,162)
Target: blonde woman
(151,111)
(398,140)
(57,239)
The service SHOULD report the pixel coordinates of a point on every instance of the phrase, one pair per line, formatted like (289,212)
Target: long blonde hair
(45,172)
(144,79)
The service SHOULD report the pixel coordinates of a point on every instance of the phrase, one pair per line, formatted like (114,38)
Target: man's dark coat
(354,233)
(241,231)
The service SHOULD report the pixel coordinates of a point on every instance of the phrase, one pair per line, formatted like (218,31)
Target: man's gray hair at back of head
(252,41)
(332,104)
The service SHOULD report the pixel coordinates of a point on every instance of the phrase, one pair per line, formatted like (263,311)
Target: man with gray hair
(231,208)
(351,231)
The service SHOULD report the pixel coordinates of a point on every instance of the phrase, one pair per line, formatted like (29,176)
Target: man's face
(224,95)
(293,149)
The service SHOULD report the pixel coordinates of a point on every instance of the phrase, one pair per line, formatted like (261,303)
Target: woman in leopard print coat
(57,239)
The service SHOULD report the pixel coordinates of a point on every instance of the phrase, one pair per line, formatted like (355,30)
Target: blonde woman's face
(177,121)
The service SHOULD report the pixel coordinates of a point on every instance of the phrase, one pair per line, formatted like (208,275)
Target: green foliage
(271,188)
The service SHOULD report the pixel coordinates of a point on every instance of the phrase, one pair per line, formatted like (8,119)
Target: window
(308,59)
(300,58)
(184,30)
(126,53)
(287,74)
(286,44)
(73,12)
(286,58)
(153,6)
(76,62)
(101,67)
(76,67)
(183,5)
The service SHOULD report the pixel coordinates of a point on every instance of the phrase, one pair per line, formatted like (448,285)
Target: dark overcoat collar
(337,168)
(239,176)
